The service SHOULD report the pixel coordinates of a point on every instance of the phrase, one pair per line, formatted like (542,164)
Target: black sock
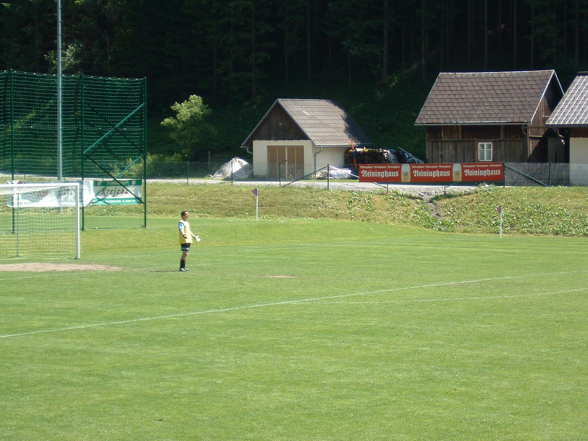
(182,263)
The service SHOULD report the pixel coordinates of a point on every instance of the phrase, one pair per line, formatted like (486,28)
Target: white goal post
(40,220)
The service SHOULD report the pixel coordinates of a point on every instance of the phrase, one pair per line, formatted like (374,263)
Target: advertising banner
(380,172)
(94,193)
(111,193)
(478,172)
(49,197)
(432,173)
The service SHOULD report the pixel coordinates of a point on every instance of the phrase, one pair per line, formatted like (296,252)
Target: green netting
(104,126)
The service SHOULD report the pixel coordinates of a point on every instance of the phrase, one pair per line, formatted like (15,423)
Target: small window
(484,151)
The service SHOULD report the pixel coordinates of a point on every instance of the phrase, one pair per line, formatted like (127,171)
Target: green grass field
(300,330)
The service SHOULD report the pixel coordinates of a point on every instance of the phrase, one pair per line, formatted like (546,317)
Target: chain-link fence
(184,170)
(103,128)
(104,125)
(516,173)
(545,174)
(232,169)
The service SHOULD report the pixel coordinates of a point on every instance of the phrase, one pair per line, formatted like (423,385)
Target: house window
(484,151)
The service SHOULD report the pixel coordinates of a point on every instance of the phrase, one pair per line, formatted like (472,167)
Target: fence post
(187,172)
(500,211)
(12,152)
(82,167)
(328,177)
(11,121)
(209,160)
(145,142)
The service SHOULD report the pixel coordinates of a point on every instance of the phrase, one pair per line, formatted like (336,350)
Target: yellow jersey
(184,230)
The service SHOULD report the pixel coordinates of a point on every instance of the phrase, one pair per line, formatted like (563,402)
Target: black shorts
(185,247)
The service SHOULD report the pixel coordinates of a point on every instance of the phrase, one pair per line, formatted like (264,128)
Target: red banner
(432,173)
(478,172)
(380,172)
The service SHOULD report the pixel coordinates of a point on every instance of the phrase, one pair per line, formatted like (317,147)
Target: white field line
(19,275)
(265,305)
(458,299)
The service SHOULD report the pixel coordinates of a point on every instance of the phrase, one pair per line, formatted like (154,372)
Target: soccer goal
(40,220)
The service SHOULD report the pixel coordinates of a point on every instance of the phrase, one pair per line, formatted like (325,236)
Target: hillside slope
(527,210)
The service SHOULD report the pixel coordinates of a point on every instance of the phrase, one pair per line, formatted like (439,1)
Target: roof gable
(485,98)
(322,121)
(572,110)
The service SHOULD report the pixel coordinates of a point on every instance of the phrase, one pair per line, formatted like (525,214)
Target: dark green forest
(377,58)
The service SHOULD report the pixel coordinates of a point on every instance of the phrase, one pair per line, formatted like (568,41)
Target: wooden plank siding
(579,132)
(508,142)
(278,125)
(466,150)
(512,143)
(537,144)
(285,162)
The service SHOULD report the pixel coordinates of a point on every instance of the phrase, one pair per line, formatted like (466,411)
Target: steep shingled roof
(572,110)
(323,121)
(484,98)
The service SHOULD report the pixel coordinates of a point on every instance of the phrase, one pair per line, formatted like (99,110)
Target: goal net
(40,220)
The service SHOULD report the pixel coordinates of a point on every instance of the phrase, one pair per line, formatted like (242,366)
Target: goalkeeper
(185,236)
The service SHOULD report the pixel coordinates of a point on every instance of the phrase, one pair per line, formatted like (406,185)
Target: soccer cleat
(183,270)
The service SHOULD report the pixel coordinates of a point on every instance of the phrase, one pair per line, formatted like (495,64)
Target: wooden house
(492,116)
(298,136)
(570,119)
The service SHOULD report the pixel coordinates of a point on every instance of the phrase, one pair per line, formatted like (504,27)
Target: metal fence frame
(546,174)
(104,126)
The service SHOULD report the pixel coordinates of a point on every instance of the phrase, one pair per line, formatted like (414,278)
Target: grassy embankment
(528,210)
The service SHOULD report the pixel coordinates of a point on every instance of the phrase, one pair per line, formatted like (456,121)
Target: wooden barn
(492,116)
(298,136)
(570,119)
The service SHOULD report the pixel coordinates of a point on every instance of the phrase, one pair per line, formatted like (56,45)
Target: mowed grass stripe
(317,299)
(459,299)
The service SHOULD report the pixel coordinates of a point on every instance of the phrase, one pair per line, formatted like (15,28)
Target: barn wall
(467,151)
(537,143)
(513,132)
(579,150)
(509,144)
(553,96)
(578,155)
(546,106)
(434,133)
(278,125)
(538,146)
(556,149)
(483,133)
(334,156)
(538,149)
(579,132)
(260,159)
